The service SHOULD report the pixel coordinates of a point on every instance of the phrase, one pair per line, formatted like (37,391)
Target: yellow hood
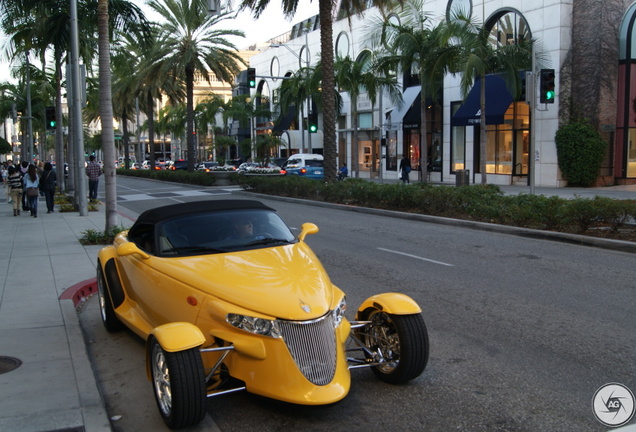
(285,282)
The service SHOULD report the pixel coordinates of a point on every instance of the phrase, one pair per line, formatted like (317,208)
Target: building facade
(588,43)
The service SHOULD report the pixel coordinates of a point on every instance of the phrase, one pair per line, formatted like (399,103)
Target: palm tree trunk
(355,151)
(59,137)
(328,89)
(189,78)
(150,114)
(483,131)
(423,134)
(106,115)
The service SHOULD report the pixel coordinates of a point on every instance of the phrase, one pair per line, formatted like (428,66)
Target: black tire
(179,385)
(401,341)
(109,319)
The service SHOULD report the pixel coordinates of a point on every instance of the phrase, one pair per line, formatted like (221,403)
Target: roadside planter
(221,176)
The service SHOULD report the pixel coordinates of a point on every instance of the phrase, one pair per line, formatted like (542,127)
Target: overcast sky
(272,23)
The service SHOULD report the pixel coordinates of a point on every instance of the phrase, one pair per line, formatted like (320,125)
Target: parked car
(180,164)
(158,165)
(227,298)
(207,166)
(305,165)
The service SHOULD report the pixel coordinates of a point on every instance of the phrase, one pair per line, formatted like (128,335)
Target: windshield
(219,232)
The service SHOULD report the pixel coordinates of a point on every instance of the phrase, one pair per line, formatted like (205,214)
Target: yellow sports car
(227,298)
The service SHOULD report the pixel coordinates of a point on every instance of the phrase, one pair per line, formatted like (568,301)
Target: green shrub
(580,152)
(94,237)
(615,213)
(583,213)
(484,203)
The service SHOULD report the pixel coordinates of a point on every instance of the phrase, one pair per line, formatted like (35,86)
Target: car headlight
(254,325)
(339,312)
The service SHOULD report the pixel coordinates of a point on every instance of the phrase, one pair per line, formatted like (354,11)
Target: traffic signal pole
(531,80)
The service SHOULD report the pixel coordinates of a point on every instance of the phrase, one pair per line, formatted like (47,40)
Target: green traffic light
(52,124)
(549,95)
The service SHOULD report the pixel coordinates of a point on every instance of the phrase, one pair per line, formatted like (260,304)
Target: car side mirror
(307,228)
(129,248)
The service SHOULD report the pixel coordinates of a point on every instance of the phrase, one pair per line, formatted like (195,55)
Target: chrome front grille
(312,345)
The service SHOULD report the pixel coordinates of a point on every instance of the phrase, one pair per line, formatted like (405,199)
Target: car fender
(173,337)
(393,303)
(178,336)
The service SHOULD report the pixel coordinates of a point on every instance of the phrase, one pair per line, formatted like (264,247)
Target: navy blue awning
(498,100)
(284,120)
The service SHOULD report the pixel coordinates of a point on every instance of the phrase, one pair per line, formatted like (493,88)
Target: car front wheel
(399,343)
(179,384)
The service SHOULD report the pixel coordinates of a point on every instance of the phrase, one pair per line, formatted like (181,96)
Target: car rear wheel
(179,384)
(399,343)
(109,319)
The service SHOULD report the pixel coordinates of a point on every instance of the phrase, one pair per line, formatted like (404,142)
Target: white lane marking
(417,257)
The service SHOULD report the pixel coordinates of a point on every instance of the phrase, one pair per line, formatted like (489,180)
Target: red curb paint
(80,292)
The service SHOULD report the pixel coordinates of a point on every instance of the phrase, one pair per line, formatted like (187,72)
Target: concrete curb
(80,292)
(92,405)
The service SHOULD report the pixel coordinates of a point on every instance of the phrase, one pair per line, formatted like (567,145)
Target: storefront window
(507,144)
(391,151)
(631,153)
(413,140)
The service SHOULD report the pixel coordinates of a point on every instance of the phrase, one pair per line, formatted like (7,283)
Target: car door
(157,293)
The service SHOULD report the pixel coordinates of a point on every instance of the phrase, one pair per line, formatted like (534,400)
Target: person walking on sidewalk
(48,181)
(93,171)
(15,186)
(32,188)
(405,169)
(23,167)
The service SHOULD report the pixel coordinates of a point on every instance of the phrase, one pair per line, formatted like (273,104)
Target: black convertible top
(159,214)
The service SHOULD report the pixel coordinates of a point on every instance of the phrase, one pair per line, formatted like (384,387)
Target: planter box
(222,178)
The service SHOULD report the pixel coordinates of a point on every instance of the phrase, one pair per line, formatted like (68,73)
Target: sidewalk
(54,387)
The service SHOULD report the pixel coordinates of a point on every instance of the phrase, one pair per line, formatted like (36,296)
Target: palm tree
(328,103)
(191,44)
(297,90)
(244,109)
(356,76)
(416,46)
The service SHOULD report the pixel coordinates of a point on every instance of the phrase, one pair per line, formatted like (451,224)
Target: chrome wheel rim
(384,340)
(161,380)
(102,296)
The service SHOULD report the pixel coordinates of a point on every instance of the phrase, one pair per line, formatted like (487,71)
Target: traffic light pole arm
(273,77)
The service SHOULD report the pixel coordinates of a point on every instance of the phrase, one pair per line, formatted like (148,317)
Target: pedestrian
(23,167)
(344,172)
(405,169)
(3,174)
(15,186)
(93,171)
(48,180)
(32,188)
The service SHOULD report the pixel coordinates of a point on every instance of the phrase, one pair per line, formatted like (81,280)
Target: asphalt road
(523,331)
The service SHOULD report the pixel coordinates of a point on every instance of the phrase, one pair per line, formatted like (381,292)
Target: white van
(305,164)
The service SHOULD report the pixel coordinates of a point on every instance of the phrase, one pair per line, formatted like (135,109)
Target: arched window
(508,27)
(625,158)
(459,7)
